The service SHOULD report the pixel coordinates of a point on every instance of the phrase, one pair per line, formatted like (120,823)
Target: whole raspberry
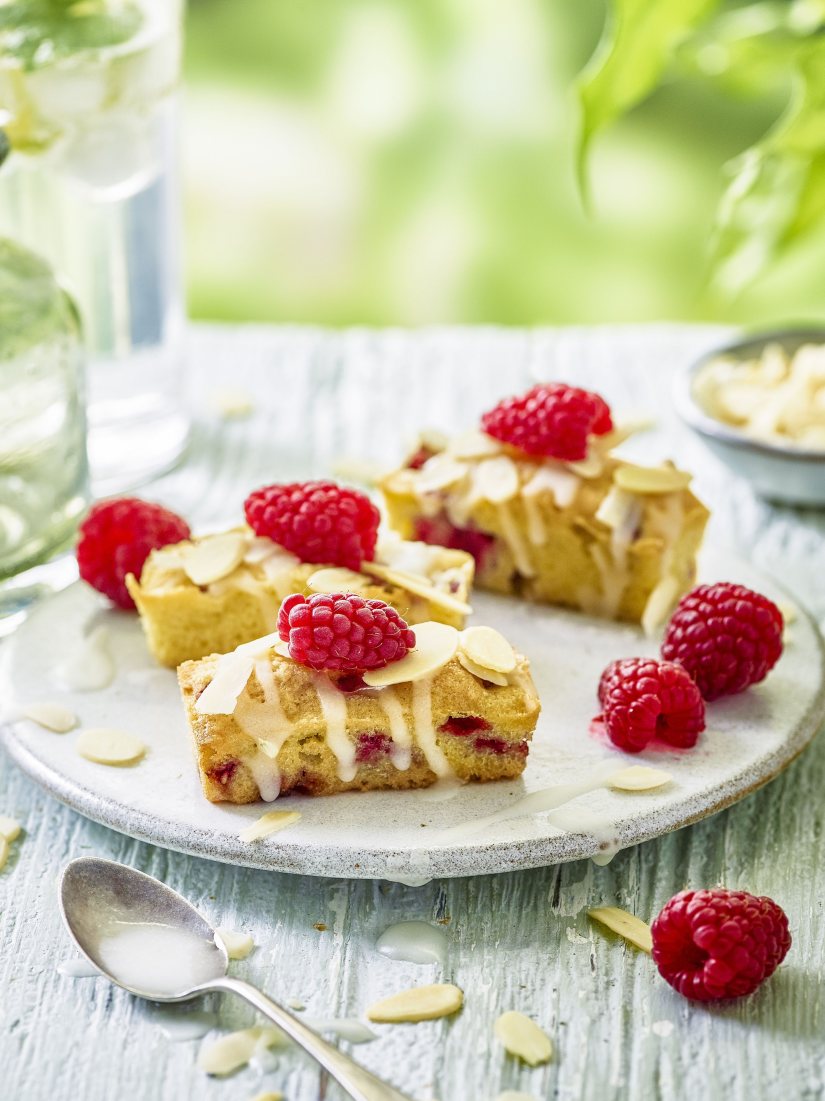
(643,699)
(342,631)
(719,943)
(726,636)
(552,419)
(116,538)
(319,521)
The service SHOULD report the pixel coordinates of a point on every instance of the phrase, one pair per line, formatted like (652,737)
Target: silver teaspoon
(148,939)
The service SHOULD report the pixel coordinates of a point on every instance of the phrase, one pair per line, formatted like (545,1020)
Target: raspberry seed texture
(644,699)
(552,419)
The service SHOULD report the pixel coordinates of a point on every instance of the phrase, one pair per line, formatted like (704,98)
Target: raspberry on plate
(726,636)
(117,537)
(643,699)
(341,631)
(719,943)
(552,419)
(318,521)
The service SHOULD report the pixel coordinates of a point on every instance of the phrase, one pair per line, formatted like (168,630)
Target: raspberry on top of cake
(549,513)
(346,696)
(208,595)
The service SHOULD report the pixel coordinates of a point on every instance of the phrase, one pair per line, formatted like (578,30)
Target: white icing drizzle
(536,531)
(401,755)
(265,721)
(334,710)
(513,538)
(424,730)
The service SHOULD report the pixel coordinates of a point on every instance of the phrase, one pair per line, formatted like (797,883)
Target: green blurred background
(411,162)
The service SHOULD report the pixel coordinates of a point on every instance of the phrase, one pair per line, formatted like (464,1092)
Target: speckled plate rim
(377,862)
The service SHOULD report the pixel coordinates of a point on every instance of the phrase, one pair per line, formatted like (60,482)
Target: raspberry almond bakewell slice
(550,514)
(322,707)
(208,595)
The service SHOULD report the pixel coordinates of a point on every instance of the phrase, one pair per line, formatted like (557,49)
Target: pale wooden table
(517,940)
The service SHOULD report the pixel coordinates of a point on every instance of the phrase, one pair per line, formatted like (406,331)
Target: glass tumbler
(43,468)
(88,99)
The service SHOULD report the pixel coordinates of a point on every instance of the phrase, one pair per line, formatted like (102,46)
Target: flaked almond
(473,445)
(231,404)
(9,828)
(435,645)
(269,1095)
(440,472)
(553,478)
(516,1095)
(214,556)
(497,480)
(271,822)
(488,648)
(523,1038)
(220,697)
(233,1051)
(591,466)
(237,945)
(790,612)
(660,604)
(260,548)
(615,508)
(483,674)
(109,746)
(4,852)
(337,579)
(52,716)
(421,1003)
(650,479)
(633,929)
(639,778)
(418,586)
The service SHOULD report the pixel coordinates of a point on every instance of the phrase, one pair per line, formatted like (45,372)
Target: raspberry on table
(341,631)
(726,636)
(643,699)
(552,419)
(318,521)
(719,943)
(117,537)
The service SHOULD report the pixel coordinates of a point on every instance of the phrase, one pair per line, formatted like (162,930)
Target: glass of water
(88,101)
(43,470)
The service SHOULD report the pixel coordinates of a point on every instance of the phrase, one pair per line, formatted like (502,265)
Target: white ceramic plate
(398,835)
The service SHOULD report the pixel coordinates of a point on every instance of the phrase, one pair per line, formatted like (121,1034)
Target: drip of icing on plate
(414,942)
(91,666)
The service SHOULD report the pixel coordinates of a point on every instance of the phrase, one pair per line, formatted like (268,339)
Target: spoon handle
(359,1083)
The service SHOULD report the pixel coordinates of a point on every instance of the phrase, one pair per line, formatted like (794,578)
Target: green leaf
(636,47)
(777,191)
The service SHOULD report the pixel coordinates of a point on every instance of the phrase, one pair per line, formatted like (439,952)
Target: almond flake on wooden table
(4,852)
(420,1003)
(234,1050)
(271,822)
(9,828)
(238,945)
(515,1095)
(271,1095)
(633,929)
(523,1038)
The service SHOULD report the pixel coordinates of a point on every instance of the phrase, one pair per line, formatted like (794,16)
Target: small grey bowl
(790,474)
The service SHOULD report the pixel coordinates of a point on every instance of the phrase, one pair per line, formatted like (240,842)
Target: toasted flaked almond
(486,647)
(473,445)
(483,674)
(271,822)
(220,696)
(52,716)
(615,507)
(435,644)
(639,778)
(9,828)
(650,479)
(337,579)
(497,480)
(109,746)
(633,929)
(237,945)
(269,1095)
(4,852)
(523,1038)
(660,604)
(440,472)
(591,466)
(418,586)
(214,556)
(233,1051)
(421,1003)
(790,612)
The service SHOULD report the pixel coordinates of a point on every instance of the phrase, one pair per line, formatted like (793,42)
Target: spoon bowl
(138,932)
(148,939)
